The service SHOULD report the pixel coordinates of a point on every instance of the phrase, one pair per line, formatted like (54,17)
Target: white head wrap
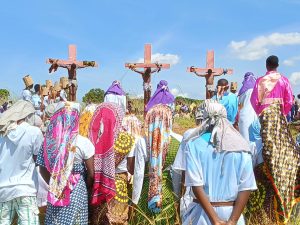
(224,136)
(18,111)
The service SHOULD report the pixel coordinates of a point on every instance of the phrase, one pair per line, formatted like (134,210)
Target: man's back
(17,167)
(224,173)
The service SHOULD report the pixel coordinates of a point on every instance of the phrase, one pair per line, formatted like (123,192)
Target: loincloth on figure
(210,87)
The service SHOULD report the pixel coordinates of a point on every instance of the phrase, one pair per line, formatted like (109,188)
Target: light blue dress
(222,174)
(230,102)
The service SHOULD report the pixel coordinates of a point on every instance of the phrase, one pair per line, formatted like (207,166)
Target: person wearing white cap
(20,143)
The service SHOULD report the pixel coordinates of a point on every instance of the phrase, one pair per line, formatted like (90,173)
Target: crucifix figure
(71,65)
(209,73)
(146,69)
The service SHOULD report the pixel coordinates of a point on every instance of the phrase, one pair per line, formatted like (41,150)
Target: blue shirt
(230,102)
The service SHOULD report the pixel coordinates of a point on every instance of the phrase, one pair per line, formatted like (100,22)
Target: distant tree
(4,94)
(94,96)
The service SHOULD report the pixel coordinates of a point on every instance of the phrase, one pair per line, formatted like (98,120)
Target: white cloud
(163,58)
(295,78)
(259,47)
(291,61)
(176,93)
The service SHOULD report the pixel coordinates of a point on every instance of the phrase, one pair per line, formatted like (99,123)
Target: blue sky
(242,33)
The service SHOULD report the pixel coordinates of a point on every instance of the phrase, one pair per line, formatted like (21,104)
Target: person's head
(298,96)
(272,63)
(222,82)
(73,66)
(222,86)
(209,71)
(37,88)
(199,114)
(16,114)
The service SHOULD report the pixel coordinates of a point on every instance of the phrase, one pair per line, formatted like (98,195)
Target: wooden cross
(147,67)
(71,65)
(209,73)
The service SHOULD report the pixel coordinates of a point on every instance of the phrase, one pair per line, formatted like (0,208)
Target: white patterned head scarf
(18,111)
(224,136)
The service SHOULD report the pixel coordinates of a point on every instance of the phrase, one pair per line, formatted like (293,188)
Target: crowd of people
(103,165)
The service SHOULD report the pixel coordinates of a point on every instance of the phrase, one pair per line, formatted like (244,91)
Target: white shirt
(122,167)
(141,157)
(26,95)
(179,162)
(18,176)
(84,149)
(178,167)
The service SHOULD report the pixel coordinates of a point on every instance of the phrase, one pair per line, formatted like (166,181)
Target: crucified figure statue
(209,77)
(146,75)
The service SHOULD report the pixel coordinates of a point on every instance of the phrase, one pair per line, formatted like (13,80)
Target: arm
(139,169)
(45,174)
(246,185)
(220,74)
(288,98)
(254,97)
(194,178)
(157,69)
(135,70)
(89,164)
(239,206)
(199,75)
(193,70)
(130,165)
(205,203)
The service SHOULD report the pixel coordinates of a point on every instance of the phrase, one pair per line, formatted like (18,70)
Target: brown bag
(57,86)
(28,80)
(49,84)
(64,81)
(45,90)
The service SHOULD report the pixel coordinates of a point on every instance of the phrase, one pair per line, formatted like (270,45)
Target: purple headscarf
(115,89)
(161,96)
(248,82)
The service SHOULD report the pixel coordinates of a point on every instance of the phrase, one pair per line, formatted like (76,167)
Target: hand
(192,69)
(131,67)
(230,222)
(220,222)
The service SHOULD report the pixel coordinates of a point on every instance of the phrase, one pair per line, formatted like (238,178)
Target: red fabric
(104,128)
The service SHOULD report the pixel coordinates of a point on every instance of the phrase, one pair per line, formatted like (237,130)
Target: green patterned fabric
(168,214)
